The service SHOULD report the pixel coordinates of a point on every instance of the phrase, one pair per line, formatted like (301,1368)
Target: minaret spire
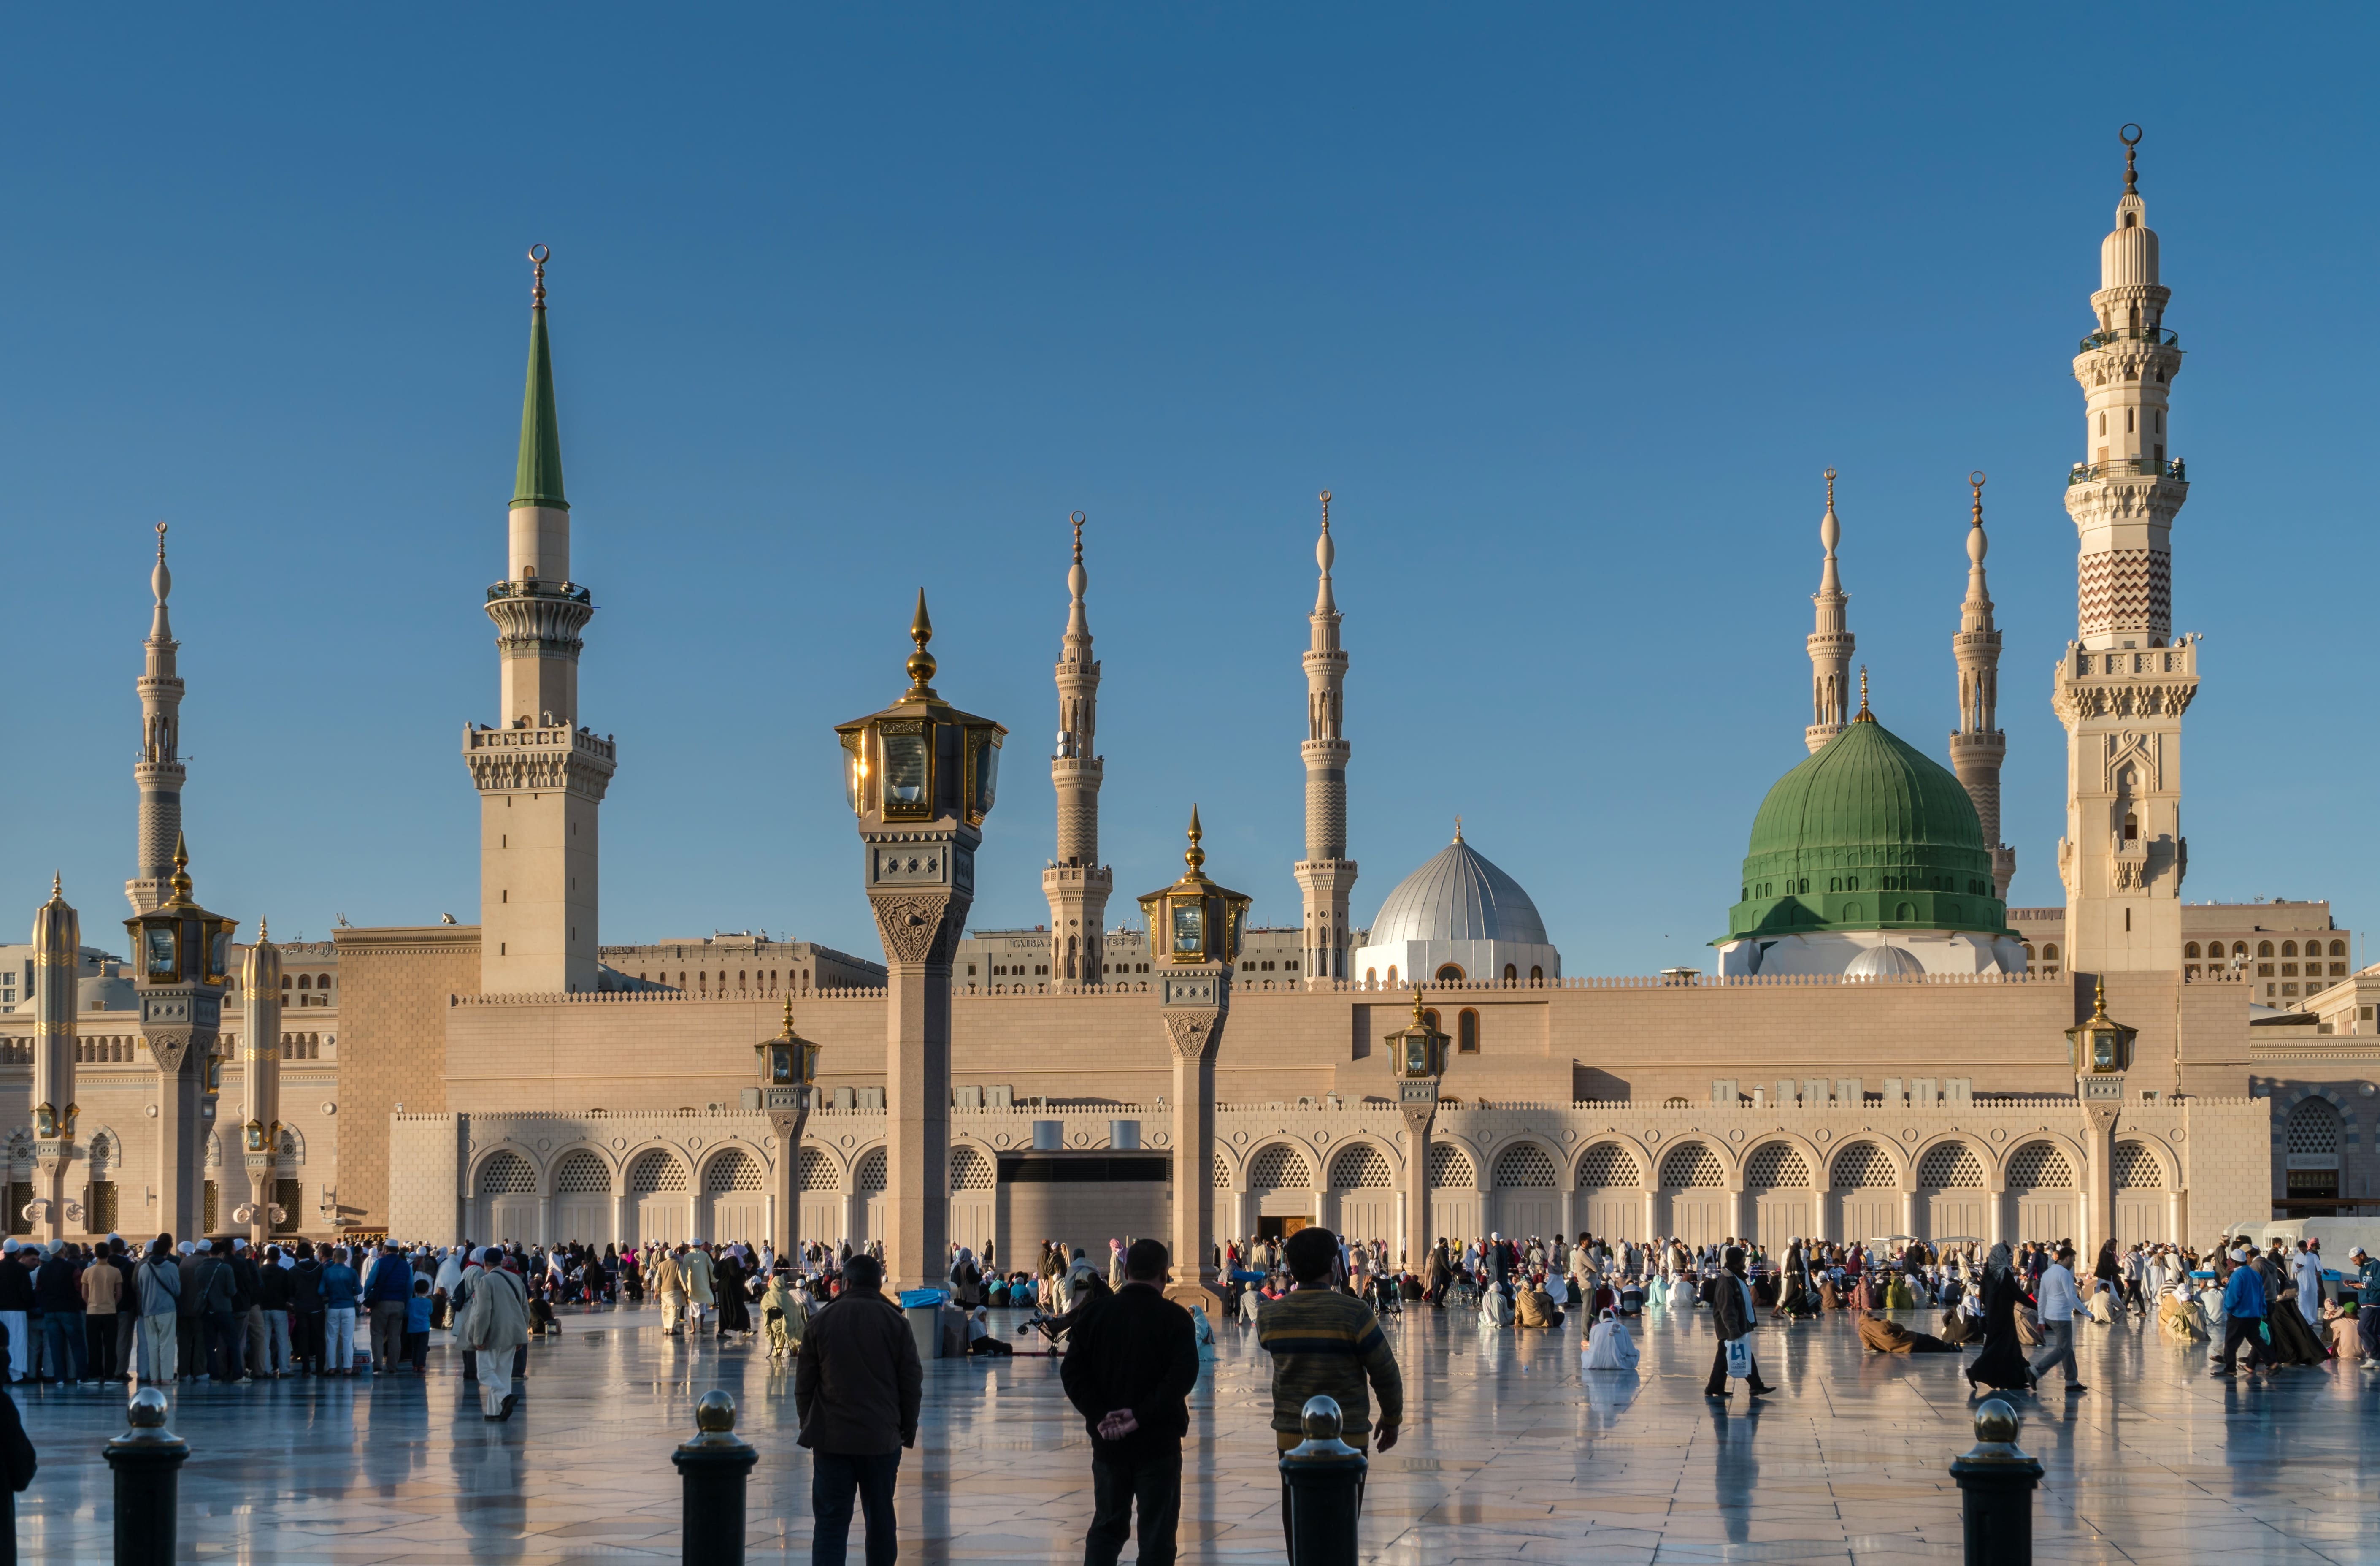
(57,967)
(540,773)
(1831,643)
(1326,876)
(1076,883)
(2125,681)
(159,773)
(1977,746)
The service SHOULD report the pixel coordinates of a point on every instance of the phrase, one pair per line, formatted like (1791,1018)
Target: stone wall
(395,983)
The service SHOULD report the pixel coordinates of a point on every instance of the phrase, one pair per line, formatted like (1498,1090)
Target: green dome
(1869,833)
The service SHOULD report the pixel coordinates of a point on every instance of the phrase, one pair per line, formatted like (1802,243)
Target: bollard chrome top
(149,1409)
(1997,1424)
(1322,1419)
(714,1412)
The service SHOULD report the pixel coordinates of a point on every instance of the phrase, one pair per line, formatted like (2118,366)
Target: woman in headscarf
(966,1280)
(2293,1342)
(785,1317)
(735,1312)
(1884,1336)
(2001,1365)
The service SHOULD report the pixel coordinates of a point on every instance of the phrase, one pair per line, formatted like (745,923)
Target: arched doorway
(1696,1182)
(1869,1193)
(1784,1199)
(1951,1186)
(1528,1192)
(736,1190)
(507,1204)
(582,1199)
(658,1199)
(2041,1189)
(1280,1183)
(1610,1193)
(2143,1212)
(2312,1141)
(822,1198)
(1366,1185)
(868,1179)
(1454,1195)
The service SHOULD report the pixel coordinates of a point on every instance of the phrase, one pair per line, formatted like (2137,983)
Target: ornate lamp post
(2101,1049)
(260,1087)
(182,955)
(788,1069)
(57,964)
(1417,1055)
(1194,936)
(921,777)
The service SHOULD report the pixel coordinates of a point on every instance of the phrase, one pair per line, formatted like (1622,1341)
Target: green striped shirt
(1325,1343)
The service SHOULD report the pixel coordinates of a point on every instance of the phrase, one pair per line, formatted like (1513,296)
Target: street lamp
(788,1069)
(1417,1056)
(919,776)
(1194,939)
(182,963)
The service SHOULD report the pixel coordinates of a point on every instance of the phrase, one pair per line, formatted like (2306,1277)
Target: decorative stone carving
(1195,1033)
(913,929)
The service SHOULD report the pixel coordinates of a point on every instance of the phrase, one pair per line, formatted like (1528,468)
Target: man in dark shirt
(1130,1365)
(15,1310)
(58,1299)
(857,1385)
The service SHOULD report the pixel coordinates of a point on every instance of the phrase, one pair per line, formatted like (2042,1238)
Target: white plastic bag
(1608,1346)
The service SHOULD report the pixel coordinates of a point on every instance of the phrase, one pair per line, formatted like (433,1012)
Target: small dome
(1458,897)
(1884,962)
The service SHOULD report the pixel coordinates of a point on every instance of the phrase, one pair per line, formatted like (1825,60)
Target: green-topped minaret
(540,770)
(539,481)
(1868,844)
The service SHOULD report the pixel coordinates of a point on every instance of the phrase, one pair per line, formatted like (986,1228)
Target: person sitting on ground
(1884,1336)
(1537,1308)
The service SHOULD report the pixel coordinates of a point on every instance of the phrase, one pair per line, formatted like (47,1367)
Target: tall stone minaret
(540,773)
(1831,644)
(1326,876)
(260,1085)
(1076,883)
(58,968)
(1977,746)
(159,771)
(2125,681)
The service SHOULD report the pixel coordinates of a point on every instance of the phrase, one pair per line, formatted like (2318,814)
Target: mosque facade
(1882,1046)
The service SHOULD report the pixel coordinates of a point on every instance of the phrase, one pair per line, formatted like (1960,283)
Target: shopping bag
(1738,1358)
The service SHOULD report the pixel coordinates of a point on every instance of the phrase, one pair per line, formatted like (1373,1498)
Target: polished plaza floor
(1515,1455)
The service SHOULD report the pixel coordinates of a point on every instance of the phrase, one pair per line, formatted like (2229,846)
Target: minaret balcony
(2156,336)
(569,592)
(2126,467)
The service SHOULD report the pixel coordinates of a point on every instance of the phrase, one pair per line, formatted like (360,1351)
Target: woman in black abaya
(2001,1365)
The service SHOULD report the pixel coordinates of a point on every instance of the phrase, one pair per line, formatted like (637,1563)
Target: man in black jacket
(1729,1294)
(857,1388)
(272,1299)
(306,1312)
(1129,1368)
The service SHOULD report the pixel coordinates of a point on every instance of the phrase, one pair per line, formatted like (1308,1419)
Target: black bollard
(1996,1485)
(713,1465)
(1322,1489)
(148,1462)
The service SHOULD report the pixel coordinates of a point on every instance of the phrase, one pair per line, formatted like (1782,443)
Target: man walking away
(493,1325)
(341,1290)
(1129,1368)
(273,1300)
(2244,1309)
(309,1319)
(1328,1344)
(57,1294)
(218,1294)
(101,1287)
(857,1388)
(2061,1303)
(390,1288)
(15,1311)
(157,1287)
(248,1283)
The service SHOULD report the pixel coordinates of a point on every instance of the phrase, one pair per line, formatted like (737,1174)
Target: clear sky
(1569,312)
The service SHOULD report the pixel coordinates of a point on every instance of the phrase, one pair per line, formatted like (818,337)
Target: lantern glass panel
(219,952)
(780,1064)
(855,769)
(983,780)
(908,752)
(1416,1054)
(2103,1051)
(160,947)
(1189,927)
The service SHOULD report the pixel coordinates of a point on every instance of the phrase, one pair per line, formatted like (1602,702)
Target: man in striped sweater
(1326,1342)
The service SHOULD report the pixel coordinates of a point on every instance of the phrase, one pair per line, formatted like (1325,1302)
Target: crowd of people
(223,1311)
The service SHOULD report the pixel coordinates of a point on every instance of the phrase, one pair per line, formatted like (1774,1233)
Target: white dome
(1458,897)
(1884,962)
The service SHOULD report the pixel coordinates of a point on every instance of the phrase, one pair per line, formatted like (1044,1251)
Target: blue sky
(1568,310)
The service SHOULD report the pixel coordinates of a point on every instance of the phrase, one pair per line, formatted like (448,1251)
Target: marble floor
(1513,1454)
